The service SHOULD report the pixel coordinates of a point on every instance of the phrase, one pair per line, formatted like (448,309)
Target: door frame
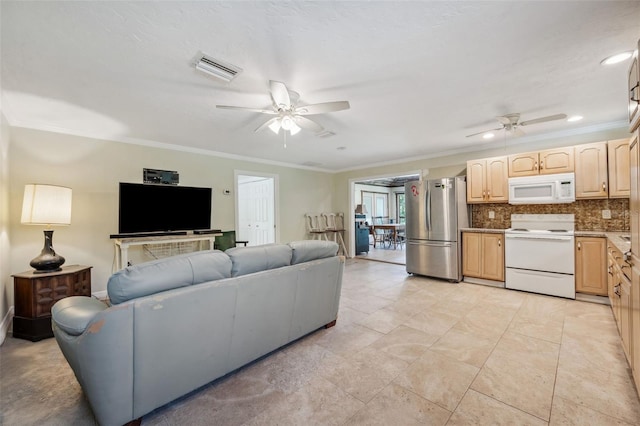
(276,198)
(350,224)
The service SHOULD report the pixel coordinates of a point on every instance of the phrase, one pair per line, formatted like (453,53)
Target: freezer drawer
(562,285)
(434,259)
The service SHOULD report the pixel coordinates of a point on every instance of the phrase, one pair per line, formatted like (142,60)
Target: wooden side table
(35,294)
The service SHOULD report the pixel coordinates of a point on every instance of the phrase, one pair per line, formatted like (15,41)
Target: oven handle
(541,237)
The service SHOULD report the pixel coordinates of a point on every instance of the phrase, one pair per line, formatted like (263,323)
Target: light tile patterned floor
(406,350)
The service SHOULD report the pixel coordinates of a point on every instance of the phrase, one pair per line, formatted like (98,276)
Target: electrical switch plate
(492,214)
(606,214)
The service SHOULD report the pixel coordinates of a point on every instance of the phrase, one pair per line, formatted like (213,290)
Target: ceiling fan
(511,123)
(288,115)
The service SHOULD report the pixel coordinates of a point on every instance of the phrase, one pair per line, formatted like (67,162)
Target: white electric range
(539,254)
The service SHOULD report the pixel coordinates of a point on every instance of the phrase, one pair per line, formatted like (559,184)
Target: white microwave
(543,189)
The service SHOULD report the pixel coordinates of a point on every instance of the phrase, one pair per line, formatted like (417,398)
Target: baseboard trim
(482,281)
(582,297)
(4,325)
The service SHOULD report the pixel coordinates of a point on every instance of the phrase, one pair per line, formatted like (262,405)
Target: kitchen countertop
(484,230)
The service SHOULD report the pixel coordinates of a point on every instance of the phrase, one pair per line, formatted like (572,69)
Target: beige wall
(452,165)
(6,287)
(93,168)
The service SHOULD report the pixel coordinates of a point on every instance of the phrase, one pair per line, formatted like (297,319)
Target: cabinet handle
(484,194)
(610,272)
(627,257)
(535,166)
(541,165)
(579,246)
(632,93)
(604,187)
(499,242)
(488,194)
(616,290)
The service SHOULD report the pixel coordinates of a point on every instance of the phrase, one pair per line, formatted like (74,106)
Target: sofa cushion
(247,260)
(168,273)
(304,251)
(73,314)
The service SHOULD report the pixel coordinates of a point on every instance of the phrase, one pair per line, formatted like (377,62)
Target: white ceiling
(419,75)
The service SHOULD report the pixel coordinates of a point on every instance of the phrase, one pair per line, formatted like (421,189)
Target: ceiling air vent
(325,134)
(217,68)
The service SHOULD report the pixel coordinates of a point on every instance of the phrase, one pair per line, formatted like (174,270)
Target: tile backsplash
(588,214)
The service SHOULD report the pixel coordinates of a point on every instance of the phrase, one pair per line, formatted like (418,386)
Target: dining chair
(334,225)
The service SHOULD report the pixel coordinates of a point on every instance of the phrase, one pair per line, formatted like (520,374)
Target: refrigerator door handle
(428,200)
(429,243)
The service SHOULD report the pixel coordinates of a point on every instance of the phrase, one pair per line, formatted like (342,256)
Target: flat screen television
(163,208)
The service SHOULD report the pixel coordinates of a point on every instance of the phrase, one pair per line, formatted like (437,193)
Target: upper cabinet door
(497,180)
(476,188)
(556,161)
(634,94)
(619,182)
(523,164)
(591,170)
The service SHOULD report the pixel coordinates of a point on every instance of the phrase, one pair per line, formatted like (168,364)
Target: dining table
(393,228)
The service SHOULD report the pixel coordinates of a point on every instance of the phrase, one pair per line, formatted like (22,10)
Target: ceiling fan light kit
(511,123)
(574,118)
(291,117)
(217,68)
(617,58)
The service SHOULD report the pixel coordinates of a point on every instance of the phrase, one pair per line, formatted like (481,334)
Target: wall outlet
(606,214)
(492,214)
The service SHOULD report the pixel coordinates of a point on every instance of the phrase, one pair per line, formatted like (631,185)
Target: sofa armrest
(73,314)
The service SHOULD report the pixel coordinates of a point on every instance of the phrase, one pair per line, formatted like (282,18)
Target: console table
(121,245)
(35,294)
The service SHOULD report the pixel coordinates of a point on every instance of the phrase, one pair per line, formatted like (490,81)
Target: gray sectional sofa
(178,323)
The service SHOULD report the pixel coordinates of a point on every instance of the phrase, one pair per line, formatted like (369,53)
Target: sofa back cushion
(168,273)
(247,260)
(307,250)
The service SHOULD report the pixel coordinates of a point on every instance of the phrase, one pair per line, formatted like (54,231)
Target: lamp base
(48,261)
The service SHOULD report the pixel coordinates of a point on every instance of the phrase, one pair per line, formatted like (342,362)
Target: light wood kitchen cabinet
(483,255)
(620,292)
(592,180)
(618,159)
(542,163)
(487,180)
(591,261)
(625,317)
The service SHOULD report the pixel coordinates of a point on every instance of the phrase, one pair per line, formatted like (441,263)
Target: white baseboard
(100,294)
(4,325)
(482,281)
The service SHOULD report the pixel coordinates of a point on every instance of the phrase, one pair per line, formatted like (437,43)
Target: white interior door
(256,215)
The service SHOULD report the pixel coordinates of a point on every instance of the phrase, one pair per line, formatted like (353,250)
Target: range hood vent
(217,68)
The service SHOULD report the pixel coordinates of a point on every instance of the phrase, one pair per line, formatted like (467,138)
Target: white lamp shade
(46,205)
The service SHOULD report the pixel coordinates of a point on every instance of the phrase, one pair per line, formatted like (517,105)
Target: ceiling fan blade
(267,124)
(280,95)
(517,131)
(307,124)
(544,119)
(263,111)
(485,131)
(323,107)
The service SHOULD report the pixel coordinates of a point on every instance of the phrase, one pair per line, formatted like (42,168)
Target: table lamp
(46,205)
(361,209)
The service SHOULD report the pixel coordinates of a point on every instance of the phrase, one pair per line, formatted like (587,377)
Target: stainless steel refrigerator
(435,210)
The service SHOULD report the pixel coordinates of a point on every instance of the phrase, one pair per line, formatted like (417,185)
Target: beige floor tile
(531,352)
(598,390)
(384,320)
(384,362)
(593,354)
(539,306)
(486,321)
(319,403)
(501,298)
(567,413)
(395,405)
(367,304)
(405,343)
(478,409)
(539,328)
(586,310)
(350,338)
(456,308)
(605,329)
(465,347)
(432,322)
(396,292)
(438,378)
(350,316)
(516,384)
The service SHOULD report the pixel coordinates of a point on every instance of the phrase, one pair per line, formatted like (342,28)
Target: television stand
(121,245)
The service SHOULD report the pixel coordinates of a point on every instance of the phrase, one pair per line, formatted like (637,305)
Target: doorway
(383,200)
(256,207)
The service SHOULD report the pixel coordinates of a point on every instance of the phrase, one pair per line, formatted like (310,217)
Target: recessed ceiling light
(574,118)
(617,58)
(488,136)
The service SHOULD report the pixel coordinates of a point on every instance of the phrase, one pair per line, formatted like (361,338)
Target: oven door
(540,252)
